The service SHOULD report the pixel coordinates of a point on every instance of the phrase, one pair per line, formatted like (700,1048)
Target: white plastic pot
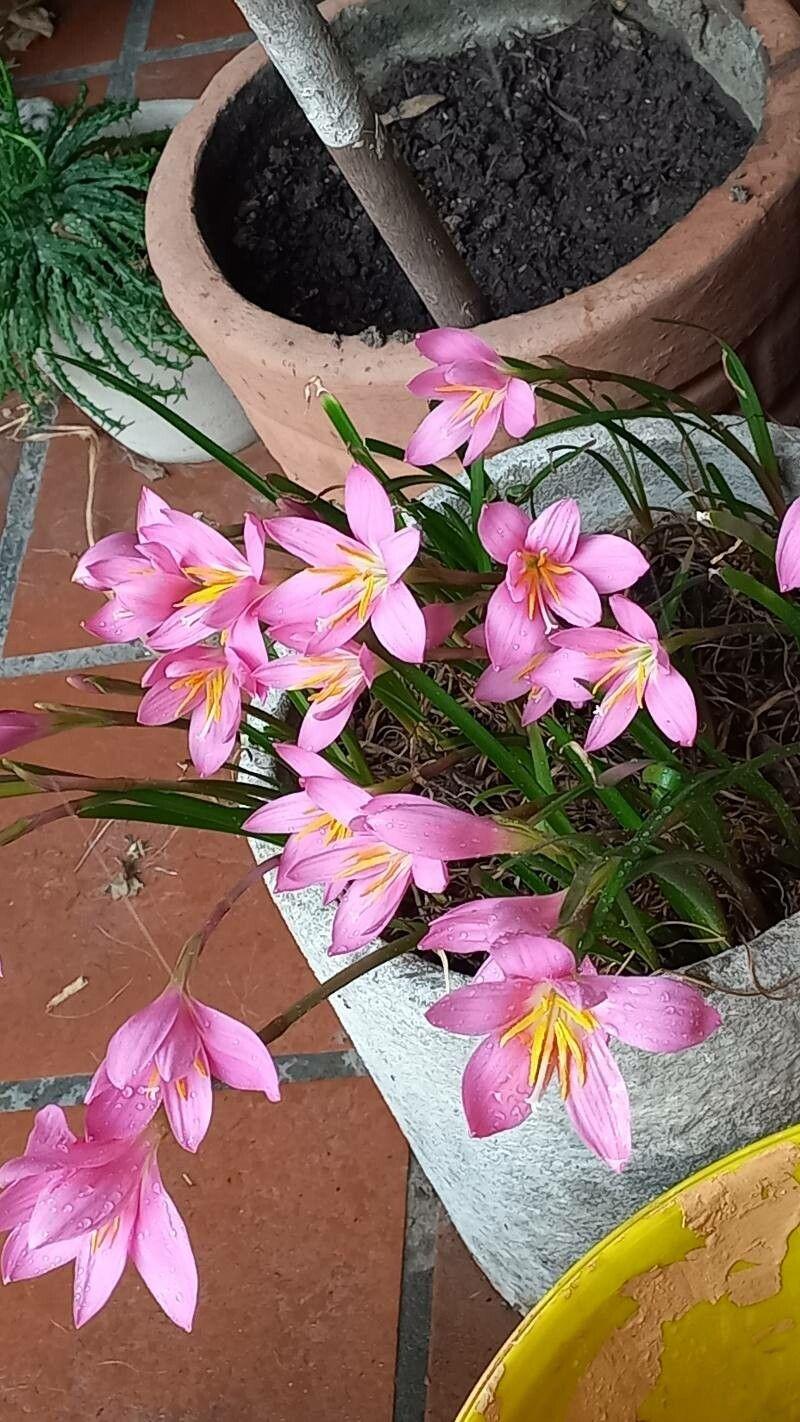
(531,1201)
(206,400)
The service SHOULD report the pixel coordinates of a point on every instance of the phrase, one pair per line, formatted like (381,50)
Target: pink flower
(552,571)
(176,581)
(317,816)
(351,580)
(168,1052)
(386,850)
(787,553)
(99,1203)
(542,1020)
(19,728)
(630,668)
(475,389)
(339,676)
(205,684)
(544,678)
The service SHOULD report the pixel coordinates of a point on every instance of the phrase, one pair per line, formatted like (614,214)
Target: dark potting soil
(553,161)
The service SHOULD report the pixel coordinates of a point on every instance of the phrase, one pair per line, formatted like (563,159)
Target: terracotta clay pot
(729,266)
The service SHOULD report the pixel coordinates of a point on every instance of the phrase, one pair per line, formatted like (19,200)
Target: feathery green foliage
(73,260)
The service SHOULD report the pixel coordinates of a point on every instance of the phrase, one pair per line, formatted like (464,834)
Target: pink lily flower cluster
(193,597)
(556,575)
(100,1201)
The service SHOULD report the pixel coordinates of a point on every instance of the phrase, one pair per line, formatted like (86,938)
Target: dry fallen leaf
(411,108)
(148,468)
(77,985)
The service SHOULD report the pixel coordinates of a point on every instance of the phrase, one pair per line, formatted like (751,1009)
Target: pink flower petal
(656,1014)
(175,1055)
(556,529)
(304,762)
(188,1103)
(787,553)
(474,927)
(315,542)
(285,815)
(398,623)
(363,913)
(116,1114)
(429,874)
(399,550)
(610,563)
(82,1200)
(494,1087)
(519,408)
(427,385)
(367,506)
(19,1199)
(483,1007)
(670,701)
(19,1261)
(236,1055)
(483,432)
(576,600)
(99,1265)
(162,1253)
(440,434)
(134,1044)
(525,955)
(502,528)
(337,797)
(446,344)
(599,1108)
(610,719)
(419,826)
(511,636)
(254,539)
(115,545)
(500,685)
(633,619)
(319,729)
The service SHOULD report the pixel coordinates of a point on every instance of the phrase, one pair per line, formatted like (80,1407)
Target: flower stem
(385,954)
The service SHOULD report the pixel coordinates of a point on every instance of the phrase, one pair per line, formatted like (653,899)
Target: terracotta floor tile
(176,22)
(469,1323)
(298,1237)
(87,32)
(48,608)
(179,78)
(58,923)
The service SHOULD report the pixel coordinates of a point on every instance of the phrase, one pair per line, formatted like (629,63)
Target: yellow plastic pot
(689,1312)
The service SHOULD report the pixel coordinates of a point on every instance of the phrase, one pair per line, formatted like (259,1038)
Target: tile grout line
(416,1297)
(103,654)
(20,515)
(122,83)
(294,1069)
(191,50)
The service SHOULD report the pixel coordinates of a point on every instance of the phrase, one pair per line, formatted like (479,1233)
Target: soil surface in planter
(553,160)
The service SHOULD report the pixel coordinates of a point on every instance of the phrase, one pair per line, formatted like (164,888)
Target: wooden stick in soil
(325,85)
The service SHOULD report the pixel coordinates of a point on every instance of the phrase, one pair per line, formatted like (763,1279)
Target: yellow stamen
(212,681)
(539,577)
(213,583)
(182,1088)
(105,1232)
(554,1029)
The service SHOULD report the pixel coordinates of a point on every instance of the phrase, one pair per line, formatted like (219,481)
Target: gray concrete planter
(530,1202)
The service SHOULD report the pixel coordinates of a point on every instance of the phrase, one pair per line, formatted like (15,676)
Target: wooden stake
(325,85)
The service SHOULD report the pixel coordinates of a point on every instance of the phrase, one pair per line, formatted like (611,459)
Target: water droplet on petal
(127,1092)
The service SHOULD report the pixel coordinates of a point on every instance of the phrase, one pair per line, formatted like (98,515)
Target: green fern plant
(73,260)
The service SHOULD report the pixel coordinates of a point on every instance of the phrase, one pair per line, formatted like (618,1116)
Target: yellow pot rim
(567,1282)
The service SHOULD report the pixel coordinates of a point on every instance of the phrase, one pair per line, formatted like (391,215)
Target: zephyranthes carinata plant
(493,633)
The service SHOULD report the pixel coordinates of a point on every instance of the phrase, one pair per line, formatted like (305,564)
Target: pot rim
(659,274)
